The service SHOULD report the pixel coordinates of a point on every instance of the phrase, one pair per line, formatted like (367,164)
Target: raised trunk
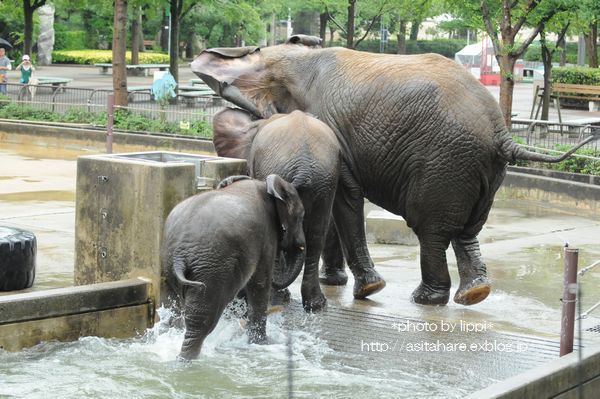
(350,27)
(135,37)
(402,37)
(118,53)
(323,19)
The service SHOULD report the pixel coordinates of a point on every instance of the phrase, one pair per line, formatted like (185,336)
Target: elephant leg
(201,315)
(332,272)
(348,214)
(474,285)
(316,223)
(258,291)
(435,279)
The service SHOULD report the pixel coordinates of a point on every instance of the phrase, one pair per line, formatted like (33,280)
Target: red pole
(109,124)
(567,327)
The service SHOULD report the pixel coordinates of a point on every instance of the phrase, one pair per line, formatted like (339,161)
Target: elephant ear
(239,76)
(291,214)
(233,132)
(305,40)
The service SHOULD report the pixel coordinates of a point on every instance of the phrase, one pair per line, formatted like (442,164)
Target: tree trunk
(507,84)
(28,10)
(135,37)
(547,60)
(563,52)
(402,37)
(591,40)
(350,27)
(414,29)
(323,19)
(331,34)
(174,53)
(164,34)
(119,47)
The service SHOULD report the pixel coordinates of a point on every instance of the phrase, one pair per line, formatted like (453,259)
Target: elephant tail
(179,269)
(512,151)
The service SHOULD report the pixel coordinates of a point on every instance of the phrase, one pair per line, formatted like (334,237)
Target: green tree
(119,48)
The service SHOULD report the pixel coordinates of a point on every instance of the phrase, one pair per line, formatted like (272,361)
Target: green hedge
(576,75)
(123,120)
(534,53)
(69,40)
(103,56)
(445,47)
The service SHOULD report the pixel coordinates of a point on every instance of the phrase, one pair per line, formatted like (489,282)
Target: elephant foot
(315,302)
(333,276)
(424,295)
(367,283)
(280,297)
(473,293)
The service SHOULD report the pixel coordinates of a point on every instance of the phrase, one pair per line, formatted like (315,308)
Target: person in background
(4,67)
(26,68)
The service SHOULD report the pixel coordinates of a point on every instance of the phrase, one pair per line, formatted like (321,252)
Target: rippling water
(228,367)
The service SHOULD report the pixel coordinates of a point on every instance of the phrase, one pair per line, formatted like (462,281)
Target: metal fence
(549,135)
(62,100)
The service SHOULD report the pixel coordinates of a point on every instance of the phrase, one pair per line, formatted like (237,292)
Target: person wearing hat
(26,68)
(4,67)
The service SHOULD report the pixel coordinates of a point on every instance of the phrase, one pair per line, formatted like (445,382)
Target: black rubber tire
(17,258)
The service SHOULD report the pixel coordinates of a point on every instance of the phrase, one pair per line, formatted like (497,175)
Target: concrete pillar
(122,203)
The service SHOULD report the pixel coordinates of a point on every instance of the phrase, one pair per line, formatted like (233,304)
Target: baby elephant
(302,150)
(218,242)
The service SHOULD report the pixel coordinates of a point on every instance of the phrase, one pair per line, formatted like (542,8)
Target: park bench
(56,83)
(135,70)
(564,91)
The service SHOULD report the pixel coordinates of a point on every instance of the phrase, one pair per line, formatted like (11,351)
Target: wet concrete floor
(521,243)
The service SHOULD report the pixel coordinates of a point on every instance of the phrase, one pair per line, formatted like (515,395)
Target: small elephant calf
(218,242)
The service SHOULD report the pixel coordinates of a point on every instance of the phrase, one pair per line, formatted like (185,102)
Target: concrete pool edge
(558,379)
(119,309)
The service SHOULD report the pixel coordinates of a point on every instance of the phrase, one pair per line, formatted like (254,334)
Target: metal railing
(549,134)
(62,100)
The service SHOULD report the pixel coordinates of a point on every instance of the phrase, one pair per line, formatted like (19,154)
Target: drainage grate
(595,329)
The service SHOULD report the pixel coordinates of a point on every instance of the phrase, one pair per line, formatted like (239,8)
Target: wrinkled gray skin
(302,150)
(219,242)
(420,136)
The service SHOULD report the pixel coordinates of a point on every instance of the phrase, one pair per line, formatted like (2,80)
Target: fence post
(109,124)
(569,297)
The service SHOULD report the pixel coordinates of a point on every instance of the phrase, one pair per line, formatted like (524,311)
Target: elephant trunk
(512,152)
(287,267)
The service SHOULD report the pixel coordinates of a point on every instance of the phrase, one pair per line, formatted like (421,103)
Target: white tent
(470,57)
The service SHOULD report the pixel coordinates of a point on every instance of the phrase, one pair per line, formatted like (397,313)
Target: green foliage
(65,39)
(103,56)
(123,120)
(576,75)
(578,164)
(572,164)
(534,53)
(445,47)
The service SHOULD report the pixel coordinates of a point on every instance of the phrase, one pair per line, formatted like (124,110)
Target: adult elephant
(303,151)
(421,137)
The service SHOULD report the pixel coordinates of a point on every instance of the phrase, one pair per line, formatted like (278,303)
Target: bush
(123,120)
(576,75)
(91,57)
(445,47)
(534,53)
(69,40)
